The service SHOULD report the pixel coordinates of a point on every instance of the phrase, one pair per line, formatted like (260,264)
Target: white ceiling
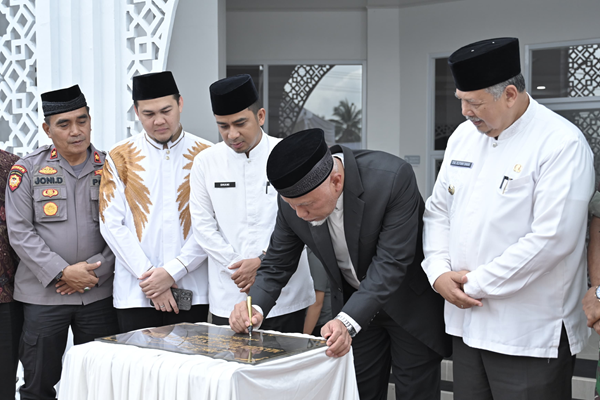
(270,5)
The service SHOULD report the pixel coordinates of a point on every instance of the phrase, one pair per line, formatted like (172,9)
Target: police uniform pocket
(50,204)
(94,196)
(28,352)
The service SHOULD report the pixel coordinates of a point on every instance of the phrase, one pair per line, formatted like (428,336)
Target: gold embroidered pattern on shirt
(183,192)
(126,158)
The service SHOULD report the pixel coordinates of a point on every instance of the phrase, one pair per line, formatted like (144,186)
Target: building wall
(443,28)
(296,36)
(197,58)
(397,44)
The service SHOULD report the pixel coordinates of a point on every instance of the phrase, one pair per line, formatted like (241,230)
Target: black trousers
(11,324)
(132,319)
(44,339)
(287,323)
(415,367)
(482,375)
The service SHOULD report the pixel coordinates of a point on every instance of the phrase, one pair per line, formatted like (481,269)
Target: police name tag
(464,164)
(224,184)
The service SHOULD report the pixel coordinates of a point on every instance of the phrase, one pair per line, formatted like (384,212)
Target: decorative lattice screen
(588,121)
(302,81)
(584,70)
(148,34)
(18,63)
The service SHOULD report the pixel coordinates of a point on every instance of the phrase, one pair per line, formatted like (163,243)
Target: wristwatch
(598,292)
(58,277)
(262,256)
(347,324)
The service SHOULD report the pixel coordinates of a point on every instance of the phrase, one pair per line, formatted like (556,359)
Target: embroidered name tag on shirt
(224,184)
(464,164)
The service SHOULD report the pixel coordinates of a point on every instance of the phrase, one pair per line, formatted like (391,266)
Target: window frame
(558,103)
(431,154)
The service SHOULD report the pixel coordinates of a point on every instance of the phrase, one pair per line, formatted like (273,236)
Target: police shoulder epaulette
(37,151)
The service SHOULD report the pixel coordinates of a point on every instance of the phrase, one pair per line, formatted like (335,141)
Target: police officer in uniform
(66,270)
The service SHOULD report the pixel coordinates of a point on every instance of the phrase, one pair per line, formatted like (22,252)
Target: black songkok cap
(486,63)
(62,101)
(299,163)
(232,95)
(154,85)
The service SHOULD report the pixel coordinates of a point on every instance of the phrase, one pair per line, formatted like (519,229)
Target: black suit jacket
(383,225)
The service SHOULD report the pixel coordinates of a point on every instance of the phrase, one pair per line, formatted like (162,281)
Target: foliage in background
(348,119)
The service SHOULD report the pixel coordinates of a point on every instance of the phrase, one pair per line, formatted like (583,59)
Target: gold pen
(249,303)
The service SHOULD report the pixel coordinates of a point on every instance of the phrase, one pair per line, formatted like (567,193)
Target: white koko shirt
(233,212)
(513,211)
(145,217)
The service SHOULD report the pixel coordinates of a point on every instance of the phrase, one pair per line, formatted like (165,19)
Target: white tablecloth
(105,371)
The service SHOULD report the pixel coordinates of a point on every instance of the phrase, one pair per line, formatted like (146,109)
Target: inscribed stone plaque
(217,342)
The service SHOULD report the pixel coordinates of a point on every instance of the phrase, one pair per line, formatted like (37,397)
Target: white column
(383,80)
(100,45)
(197,59)
(81,42)
(18,90)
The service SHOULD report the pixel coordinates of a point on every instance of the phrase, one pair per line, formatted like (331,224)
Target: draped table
(107,371)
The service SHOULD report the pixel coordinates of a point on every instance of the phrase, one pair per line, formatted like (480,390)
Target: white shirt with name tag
(233,212)
(516,219)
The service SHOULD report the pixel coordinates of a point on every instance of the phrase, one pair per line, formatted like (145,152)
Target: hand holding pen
(249,304)
(243,317)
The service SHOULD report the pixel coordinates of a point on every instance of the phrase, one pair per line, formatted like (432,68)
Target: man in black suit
(360,212)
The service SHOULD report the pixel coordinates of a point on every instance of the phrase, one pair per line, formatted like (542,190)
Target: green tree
(348,119)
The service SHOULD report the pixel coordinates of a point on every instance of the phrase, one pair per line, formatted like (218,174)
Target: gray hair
(517,81)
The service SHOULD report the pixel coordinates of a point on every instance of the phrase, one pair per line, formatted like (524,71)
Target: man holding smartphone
(144,213)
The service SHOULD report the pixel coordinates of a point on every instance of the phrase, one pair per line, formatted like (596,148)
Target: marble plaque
(217,342)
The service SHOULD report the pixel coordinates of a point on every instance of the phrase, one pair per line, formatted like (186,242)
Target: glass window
(317,96)
(567,71)
(313,96)
(566,79)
